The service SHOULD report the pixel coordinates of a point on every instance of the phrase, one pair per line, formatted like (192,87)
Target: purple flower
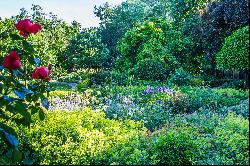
(149,90)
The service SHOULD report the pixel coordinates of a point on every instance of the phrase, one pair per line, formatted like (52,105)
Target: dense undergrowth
(141,125)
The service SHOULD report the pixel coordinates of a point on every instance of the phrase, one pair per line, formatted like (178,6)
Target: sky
(68,10)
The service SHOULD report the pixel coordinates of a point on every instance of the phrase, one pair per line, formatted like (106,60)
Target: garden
(158,82)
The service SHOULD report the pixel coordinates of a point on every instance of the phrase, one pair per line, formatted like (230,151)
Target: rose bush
(20,95)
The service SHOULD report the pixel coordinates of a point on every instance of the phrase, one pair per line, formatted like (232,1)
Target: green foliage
(133,41)
(117,20)
(154,39)
(181,77)
(150,69)
(241,109)
(232,141)
(83,137)
(191,99)
(56,86)
(215,25)
(85,51)
(100,78)
(175,146)
(118,78)
(234,54)
(181,11)
(6,37)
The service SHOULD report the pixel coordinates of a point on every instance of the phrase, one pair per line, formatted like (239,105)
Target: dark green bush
(181,77)
(221,140)
(150,69)
(234,54)
(118,78)
(226,83)
(85,50)
(100,77)
(241,109)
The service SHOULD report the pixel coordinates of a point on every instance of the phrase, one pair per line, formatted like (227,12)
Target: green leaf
(21,108)
(41,114)
(16,155)
(27,91)
(34,110)
(10,99)
(22,121)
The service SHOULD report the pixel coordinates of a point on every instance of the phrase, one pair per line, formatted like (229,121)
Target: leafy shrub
(218,138)
(181,77)
(241,109)
(100,77)
(70,77)
(190,99)
(232,140)
(215,25)
(56,86)
(82,137)
(197,82)
(234,54)
(175,146)
(150,69)
(119,78)
(238,84)
(226,83)
(83,85)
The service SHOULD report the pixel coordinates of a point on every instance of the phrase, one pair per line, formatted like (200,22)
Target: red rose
(26,27)
(41,73)
(23,25)
(35,28)
(12,61)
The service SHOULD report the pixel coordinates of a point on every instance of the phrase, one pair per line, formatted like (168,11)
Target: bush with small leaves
(150,69)
(234,55)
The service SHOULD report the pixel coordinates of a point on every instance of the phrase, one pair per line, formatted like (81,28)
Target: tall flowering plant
(22,92)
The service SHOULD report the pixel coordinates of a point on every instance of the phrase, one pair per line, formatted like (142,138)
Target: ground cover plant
(151,93)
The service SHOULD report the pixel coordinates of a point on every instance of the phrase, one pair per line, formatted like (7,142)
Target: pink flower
(12,61)
(41,73)
(26,27)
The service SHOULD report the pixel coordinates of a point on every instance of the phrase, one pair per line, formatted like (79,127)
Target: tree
(218,21)
(85,51)
(234,54)
(117,20)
